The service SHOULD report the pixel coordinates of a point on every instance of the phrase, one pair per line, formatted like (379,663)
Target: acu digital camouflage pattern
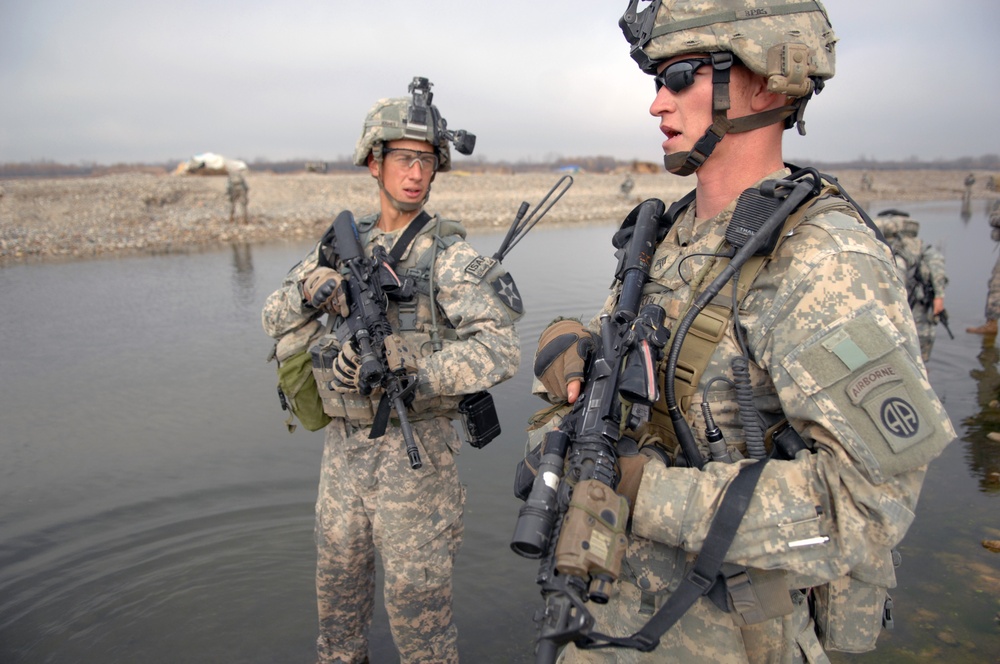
(921,266)
(238,192)
(386,121)
(834,351)
(993,295)
(369,496)
(746,28)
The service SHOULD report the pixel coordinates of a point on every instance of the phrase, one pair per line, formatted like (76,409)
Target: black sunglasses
(680,74)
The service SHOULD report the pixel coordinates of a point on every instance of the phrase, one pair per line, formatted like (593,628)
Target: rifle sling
(403,243)
(704,576)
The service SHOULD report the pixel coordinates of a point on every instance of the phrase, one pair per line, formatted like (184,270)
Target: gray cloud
(112,81)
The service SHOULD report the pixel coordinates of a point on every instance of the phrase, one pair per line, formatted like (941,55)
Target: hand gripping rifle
(369,284)
(577,527)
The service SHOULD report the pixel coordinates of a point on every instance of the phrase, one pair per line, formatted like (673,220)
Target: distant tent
(572,168)
(210,163)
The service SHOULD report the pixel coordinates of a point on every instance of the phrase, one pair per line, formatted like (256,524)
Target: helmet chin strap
(686,163)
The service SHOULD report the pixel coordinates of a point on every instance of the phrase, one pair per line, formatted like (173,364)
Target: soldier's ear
(373,166)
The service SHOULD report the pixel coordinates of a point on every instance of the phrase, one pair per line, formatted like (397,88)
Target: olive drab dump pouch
(297,389)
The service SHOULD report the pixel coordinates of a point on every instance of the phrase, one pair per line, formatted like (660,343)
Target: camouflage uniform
(238,192)
(370,499)
(825,317)
(993,295)
(921,267)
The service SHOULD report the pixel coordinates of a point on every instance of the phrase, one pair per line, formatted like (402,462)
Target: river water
(153,508)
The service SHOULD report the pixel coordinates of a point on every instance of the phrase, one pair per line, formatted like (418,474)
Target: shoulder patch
(507,291)
(479,266)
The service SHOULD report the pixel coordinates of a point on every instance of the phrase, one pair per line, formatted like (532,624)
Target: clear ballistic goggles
(407,158)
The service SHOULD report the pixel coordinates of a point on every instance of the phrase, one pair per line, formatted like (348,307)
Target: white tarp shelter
(209,163)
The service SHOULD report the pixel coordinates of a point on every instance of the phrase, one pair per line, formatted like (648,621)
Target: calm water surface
(153,508)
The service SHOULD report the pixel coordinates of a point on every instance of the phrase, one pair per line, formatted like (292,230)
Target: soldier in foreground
(455,337)
(923,270)
(805,367)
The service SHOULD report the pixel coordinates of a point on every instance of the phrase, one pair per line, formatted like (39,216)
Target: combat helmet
(413,118)
(788,42)
(896,223)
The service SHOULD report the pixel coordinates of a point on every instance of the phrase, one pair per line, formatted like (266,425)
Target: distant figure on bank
(627,185)
(921,266)
(239,194)
(989,328)
(867,181)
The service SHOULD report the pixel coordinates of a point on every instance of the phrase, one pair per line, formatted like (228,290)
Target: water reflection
(243,277)
(153,508)
(982,449)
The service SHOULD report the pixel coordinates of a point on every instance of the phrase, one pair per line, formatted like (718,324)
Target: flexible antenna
(521,224)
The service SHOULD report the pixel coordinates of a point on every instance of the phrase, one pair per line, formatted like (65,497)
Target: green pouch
(299,394)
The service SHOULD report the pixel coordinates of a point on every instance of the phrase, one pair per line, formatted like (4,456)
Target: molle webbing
(710,326)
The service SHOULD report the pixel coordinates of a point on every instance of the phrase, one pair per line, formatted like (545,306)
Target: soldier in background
(238,192)
(627,185)
(457,334)
(827,337)
(922,267)
(867,183)
(989,328)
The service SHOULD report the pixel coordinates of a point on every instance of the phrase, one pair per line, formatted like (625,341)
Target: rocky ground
(72,218)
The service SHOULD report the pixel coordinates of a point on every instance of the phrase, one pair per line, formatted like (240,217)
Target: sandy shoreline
(139,213)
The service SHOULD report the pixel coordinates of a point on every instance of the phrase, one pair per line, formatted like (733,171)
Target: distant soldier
(921,266)
(238,193)
(867,182)
(627,185)
(989,328)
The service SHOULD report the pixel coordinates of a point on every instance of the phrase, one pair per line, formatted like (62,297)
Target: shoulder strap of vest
(403,243)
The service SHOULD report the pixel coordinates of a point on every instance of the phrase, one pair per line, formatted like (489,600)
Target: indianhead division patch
(507,291)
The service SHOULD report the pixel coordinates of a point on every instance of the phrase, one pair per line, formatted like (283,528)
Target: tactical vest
(419,321)
(710,326)
(850,611)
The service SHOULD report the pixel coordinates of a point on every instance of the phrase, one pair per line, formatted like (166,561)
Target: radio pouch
(479,419)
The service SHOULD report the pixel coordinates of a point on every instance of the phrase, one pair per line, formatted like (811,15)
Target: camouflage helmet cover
(770,37)
(896,223)
(387,121)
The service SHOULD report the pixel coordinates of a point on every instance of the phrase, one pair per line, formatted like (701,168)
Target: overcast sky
(112,81)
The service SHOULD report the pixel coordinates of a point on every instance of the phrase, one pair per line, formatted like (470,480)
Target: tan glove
(345,370)
(323,288)
(563,351)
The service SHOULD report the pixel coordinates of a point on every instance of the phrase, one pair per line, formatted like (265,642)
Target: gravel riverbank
(135,213)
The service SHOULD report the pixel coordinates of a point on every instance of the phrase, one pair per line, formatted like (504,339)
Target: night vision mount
(424,115)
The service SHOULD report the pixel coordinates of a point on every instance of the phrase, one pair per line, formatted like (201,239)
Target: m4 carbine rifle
(369,284)
(577,526)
